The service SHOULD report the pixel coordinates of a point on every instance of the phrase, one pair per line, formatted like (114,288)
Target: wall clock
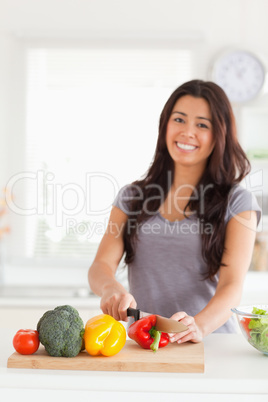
(240,73)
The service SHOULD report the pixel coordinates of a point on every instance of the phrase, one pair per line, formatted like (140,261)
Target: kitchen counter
(232,366)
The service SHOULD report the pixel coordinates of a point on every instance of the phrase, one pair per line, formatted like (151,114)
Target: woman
(187,229)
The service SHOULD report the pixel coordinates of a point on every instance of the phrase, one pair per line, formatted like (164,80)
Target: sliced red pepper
(143,331)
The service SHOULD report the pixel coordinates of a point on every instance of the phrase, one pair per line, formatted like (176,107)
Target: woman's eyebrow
(204,118)
(198,117)
(175,111)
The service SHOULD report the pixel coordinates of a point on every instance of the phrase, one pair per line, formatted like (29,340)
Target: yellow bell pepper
(104,335)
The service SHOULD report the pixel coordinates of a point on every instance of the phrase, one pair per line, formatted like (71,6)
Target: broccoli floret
(61,331)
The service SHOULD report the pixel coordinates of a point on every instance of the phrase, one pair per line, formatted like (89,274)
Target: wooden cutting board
(185,358)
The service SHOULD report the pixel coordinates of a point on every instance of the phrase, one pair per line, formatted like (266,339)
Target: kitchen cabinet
(257,182)
(252,124)
(25,312)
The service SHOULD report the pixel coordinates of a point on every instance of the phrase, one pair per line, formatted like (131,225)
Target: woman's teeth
(187,147)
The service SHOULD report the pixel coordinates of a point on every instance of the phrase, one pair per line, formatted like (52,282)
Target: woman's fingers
(117,304)
(126,301)
(192,334)
(179,316)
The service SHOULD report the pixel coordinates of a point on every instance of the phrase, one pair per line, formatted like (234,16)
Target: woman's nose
(189,131)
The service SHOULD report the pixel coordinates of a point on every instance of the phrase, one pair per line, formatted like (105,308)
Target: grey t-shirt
(167,274)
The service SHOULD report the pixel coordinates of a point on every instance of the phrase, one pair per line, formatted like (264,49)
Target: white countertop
(232,366)
(34,296)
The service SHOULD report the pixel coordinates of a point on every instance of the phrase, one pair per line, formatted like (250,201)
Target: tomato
(245,321)
(26,341)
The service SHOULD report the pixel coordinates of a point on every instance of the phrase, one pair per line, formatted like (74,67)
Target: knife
(163,324)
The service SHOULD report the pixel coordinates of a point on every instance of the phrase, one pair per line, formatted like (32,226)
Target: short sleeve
(125,195)
(240,200)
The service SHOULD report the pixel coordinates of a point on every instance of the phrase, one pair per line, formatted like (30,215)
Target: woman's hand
(115,301)
(193,334)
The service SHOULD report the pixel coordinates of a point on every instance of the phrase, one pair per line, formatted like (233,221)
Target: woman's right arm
(114,297)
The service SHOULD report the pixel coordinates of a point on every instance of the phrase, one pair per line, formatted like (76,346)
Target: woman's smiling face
(189,135)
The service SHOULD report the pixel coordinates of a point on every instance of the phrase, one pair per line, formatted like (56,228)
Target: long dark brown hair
(226,166)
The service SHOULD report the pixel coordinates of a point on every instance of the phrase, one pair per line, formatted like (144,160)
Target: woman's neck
(186,176)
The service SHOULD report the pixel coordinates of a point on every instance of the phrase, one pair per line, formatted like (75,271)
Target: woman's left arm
(238,248)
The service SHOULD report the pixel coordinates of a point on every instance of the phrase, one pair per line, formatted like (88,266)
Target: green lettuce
(259,330)
(258,311)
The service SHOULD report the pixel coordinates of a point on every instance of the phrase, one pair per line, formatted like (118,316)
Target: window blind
(91,127)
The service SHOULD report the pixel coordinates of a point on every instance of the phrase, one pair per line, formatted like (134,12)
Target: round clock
(240,74)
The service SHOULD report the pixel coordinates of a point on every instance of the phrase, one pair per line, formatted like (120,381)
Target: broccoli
(61,331)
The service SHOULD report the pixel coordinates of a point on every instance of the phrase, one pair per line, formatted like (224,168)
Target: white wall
(221,23)
(209,25)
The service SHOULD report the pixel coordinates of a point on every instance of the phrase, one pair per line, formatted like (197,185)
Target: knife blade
(163,324)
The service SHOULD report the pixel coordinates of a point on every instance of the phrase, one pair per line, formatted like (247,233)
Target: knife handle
(133,312)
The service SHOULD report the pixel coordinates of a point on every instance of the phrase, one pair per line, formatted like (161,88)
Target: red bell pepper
(143,331)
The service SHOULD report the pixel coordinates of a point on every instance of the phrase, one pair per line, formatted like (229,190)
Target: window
(91,124)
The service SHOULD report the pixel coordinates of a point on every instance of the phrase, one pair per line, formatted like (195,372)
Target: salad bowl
(253,322)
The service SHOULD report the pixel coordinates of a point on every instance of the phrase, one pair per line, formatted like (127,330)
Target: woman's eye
(202,125)
(179,120)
